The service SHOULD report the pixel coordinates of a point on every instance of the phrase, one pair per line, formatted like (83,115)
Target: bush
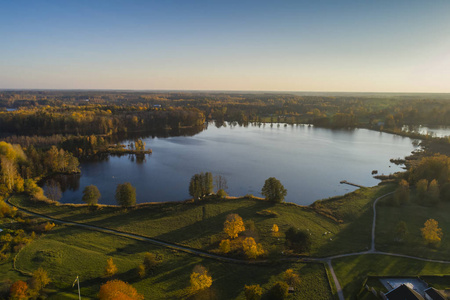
(221,194)
(225,246)
(253,292)
(267,213)
(279,291)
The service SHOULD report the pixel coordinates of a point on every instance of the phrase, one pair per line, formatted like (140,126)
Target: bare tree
(220,182)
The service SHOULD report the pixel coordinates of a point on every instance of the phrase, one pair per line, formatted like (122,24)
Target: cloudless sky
(336,45)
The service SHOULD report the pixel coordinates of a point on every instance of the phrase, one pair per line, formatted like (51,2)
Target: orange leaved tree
(118,290)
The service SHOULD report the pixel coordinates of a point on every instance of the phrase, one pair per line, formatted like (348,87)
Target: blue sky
(367,46)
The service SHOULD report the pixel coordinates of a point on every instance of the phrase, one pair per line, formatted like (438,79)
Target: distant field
(352,271)
(415,216)
(67,251)
(200,225)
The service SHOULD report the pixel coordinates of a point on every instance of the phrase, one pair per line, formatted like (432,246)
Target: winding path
(326,260)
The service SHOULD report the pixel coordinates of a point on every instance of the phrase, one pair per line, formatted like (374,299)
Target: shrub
(268,213)
(222,194)
(279,291)
(291,278)
(110,268)
(225,246)
(253,292)
(150,262)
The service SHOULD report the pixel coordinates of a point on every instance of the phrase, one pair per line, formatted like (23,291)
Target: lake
(310,162)
(440,131)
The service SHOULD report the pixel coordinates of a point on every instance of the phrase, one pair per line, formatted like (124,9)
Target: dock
(350,183)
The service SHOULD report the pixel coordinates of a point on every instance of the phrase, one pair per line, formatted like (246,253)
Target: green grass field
(200,225)
(67,251)
(415,216)
(352,271)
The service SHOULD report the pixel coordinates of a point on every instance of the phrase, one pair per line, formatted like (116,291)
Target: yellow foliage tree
(233,225)
(200,279)
(291,278)
(275,228)
(118,290)
(110,268)
(431,232)
(251,248)
(40,279)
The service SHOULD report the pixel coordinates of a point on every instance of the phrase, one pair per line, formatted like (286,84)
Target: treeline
(21,168)
(99,120)
(103,112)
(431,179)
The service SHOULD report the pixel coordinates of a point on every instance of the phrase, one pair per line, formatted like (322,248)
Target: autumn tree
(433,192)
(32,189)
(19,290)
(273,190)
(139,145)
(40,279)
(291,278)
(91,194)
(251,248)
(422,188)
(253,292)
(275,230)
(118,290)
(233,225)
(431,232)
(200,279)
(225,246)
(126,194)
(110,268)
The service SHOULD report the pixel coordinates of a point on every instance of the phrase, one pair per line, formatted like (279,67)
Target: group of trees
(20,168)
(232,227)
(431,179)
(202,184)
(21,290)
(279,290)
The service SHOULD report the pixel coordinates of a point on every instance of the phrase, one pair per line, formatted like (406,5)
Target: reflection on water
(309,161)
(440,131)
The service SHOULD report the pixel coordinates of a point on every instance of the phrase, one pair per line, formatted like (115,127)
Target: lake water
(310,162)
(441,131)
